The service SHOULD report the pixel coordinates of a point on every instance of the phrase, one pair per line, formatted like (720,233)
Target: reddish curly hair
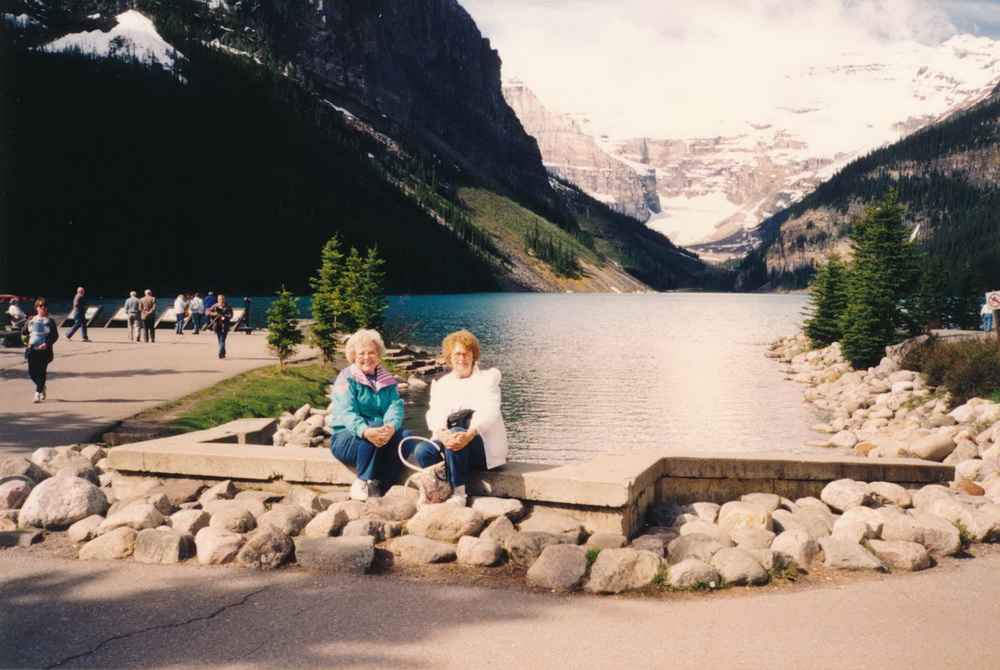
(466,339)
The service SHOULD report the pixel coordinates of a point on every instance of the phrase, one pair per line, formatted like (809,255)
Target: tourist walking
(220,318)
(147,313)
(17,315)
(132,314)
(464,416)
(366,416)
(80,305)
(987,313)
(210,300)
(41,333)
(180,308)
(197,308)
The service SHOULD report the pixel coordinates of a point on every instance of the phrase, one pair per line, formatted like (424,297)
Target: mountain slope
(948,176)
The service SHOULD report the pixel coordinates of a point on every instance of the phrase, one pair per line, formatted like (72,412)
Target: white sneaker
(359,489)
(459,499)
(42,394)
(38,397)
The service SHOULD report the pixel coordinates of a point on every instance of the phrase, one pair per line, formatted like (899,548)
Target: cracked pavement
(58,612)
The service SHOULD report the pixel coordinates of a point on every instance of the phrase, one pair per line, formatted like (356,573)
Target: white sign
(993,299)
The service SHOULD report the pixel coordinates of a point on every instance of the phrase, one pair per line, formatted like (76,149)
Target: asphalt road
(70,613)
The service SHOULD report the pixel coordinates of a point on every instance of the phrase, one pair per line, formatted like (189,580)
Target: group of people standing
(366,417)
(141,314)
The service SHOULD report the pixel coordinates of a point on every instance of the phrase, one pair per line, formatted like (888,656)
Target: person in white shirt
(17,315)
(197,308)
(987,313)
(464,416)
(180,306)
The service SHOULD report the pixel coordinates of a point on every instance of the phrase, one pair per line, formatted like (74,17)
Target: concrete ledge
(611,492)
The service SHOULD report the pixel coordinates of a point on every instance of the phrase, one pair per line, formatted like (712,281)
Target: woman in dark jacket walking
(40,333)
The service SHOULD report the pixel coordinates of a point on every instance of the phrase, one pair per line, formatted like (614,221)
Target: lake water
(584,373)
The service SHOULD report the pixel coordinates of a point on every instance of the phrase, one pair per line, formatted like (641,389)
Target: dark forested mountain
(948,178)
(281,124)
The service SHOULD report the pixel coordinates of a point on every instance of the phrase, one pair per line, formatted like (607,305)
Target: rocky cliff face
(572,155)
(418,69)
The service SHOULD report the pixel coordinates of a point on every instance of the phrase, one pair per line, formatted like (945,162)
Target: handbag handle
(424,439)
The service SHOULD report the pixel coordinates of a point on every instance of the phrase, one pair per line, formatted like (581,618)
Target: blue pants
(379,463)
(987,323)
(221,335)
(79,322)
(197,318)
(473,457)
(180,323)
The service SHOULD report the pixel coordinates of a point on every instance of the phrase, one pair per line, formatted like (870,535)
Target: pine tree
(372,302)
(883,273)
(283,334)
(964,308)
(327,302)
(932,310)
(829,300)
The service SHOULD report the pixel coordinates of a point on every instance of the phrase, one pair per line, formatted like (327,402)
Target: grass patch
(592,554)
(258,393)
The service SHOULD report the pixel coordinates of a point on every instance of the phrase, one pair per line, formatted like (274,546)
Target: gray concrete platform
(610,493)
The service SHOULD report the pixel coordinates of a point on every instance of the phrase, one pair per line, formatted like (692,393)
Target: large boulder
(901,555)
(84,530)
(265,549)
(700,527)
(797,545)
(492,508)
(16,466)
(933,447)
(137,516)
(217,546)
(304,498)
(561,567)
(692,573)
(58,503)
(224,490)
(499,529)
(935,534)
(14,492)
(379,529)
(737,515)
(889,493)
(254,506)
(391,508)
(119,543)
(416,550)
(756,538)
(978,526)
(233,519)
(445,522)
(162,545)
(617,570)
(524,548)
(478,551)
(326,524)
(847,555)
(336,554)
(611,541)
(696,545)
(738,568)
(285,518)
(189,521)
(843,494)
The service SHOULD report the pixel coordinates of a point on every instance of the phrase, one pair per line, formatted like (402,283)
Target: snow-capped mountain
(134,36)
(818,119)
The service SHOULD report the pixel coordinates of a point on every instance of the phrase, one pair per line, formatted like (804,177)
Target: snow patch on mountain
(135,36)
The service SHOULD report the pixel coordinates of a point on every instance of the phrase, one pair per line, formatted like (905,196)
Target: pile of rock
(888,411)
(853,525)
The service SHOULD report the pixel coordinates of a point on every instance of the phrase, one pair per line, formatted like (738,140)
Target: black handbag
(460,419)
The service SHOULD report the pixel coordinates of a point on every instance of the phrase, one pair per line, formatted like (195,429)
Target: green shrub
(967,368)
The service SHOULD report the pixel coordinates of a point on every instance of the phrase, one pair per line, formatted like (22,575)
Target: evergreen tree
(283,334)
(829,299)
(371,299)
(964,308)
(932,309)
(327,302)
(883,273)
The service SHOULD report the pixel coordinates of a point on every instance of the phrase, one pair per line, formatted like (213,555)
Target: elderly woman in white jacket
(482,445)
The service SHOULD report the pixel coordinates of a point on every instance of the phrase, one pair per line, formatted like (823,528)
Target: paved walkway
(70,613)
(94,385)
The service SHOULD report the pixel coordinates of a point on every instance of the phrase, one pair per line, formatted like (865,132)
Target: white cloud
(678,67)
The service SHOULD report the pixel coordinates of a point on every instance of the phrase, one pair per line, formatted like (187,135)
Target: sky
(673,68)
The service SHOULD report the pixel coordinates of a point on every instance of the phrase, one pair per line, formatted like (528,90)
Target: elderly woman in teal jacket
(367,416)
